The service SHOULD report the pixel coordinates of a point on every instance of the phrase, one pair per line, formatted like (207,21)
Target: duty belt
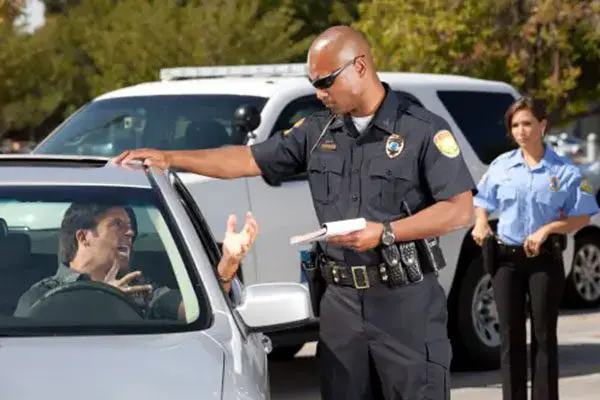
(356,276)
(362,276)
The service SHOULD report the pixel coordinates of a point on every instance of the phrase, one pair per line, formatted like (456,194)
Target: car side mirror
(247,119)
(275,306)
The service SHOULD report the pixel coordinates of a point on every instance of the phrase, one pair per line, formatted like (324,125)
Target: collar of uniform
(517,158)
(385,116)
(66,274)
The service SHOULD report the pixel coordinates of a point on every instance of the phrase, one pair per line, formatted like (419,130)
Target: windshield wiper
(104,125)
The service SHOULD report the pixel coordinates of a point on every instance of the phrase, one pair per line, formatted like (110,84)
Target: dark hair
(537,108)
(84,216)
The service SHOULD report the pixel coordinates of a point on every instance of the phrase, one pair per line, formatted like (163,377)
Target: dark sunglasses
(326,81)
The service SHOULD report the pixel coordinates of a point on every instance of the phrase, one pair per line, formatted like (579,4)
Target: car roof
(42,169)
(266,86)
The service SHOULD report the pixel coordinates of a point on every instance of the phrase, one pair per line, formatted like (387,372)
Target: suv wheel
(477,324)
(583,283)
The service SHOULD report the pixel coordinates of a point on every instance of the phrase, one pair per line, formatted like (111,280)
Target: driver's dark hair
(84,216)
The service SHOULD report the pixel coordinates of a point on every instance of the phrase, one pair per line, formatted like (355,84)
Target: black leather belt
(356,276)
(519,251)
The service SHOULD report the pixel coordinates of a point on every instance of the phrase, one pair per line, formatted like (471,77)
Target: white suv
(192,108)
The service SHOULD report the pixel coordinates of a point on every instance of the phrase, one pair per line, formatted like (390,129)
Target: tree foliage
(547,48)
(93,46)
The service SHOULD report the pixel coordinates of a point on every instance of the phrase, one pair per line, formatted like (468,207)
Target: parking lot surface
(579,354)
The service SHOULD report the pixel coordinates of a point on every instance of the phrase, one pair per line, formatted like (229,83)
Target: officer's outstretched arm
(283,154)
(224,162)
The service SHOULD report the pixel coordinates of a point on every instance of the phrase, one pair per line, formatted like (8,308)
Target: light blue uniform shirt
(528,198)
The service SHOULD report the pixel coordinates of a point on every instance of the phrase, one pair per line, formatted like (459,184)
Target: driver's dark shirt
(161,303)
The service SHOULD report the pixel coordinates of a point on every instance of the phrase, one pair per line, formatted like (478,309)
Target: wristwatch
(387,237)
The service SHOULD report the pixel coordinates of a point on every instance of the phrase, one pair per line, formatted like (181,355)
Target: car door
(249,348)
(287,206)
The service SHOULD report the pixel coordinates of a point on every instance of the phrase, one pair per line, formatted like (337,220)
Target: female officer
(538,194)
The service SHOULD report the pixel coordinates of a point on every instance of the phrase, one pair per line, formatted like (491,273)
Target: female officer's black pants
(542,279)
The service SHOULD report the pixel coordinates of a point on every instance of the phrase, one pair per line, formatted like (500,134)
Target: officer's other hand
(149,157)
(362,240)
(480,232)
(534,242)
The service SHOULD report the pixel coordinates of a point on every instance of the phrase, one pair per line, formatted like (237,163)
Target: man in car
(95,244)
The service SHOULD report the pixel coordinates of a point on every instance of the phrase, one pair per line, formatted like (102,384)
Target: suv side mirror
(247,119)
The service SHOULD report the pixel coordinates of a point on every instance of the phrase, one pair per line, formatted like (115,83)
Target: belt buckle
(362,268)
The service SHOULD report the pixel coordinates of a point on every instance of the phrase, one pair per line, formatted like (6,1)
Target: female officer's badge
(585,186)
(554,184)
(394,145)
(446,143)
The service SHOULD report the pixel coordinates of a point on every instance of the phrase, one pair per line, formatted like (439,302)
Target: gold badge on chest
(394,145)
(554,184)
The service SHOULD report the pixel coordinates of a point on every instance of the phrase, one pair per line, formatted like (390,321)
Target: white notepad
(331,229)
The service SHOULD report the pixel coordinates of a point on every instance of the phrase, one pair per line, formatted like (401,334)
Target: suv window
(480,117)
(108,127)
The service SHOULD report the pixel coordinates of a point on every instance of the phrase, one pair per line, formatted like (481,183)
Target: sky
(34,15)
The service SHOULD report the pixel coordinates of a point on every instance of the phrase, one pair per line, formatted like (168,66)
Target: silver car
(88,341)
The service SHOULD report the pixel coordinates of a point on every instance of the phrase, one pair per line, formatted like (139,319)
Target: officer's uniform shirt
(405,153)
(528,198)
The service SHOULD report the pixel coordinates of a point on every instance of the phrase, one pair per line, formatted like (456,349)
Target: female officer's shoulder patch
(446,144)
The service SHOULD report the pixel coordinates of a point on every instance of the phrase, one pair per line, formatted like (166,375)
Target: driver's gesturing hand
(123,283)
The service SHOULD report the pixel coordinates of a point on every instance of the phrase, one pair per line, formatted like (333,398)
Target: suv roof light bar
(259,70)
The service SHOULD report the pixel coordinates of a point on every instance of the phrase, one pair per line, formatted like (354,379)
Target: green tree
(95,46)
(36,81)
(548,48)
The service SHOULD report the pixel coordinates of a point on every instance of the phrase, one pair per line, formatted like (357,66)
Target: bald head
(340,66)
(338,45)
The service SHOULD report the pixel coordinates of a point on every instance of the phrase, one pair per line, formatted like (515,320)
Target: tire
(476,338)
(284,353)
(582,287)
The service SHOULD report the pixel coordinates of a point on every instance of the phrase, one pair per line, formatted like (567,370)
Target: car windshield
(65,251)
(107,127)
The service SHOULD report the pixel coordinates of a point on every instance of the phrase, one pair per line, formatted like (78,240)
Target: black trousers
(383,343)
(542,278)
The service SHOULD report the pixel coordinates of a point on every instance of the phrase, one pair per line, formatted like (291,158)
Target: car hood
(179,366)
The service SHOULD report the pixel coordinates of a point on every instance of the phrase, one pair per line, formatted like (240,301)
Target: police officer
(369,152)
(538,195)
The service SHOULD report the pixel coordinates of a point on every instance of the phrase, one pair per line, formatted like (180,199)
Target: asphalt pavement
(579,354)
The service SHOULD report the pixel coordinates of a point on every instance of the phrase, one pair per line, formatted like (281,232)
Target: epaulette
(49,283)
(428,117)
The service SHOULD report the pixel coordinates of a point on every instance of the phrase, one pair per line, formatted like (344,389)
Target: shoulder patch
(296,125)
(585,186)
(446,143)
